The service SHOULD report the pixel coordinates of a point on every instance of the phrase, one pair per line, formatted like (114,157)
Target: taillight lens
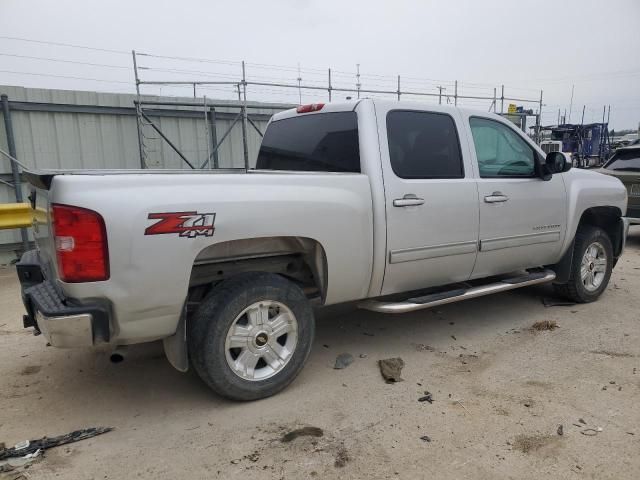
(311,107)
(81,244)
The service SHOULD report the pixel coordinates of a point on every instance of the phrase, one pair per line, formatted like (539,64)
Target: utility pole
(571,102)
(358,84)
(440,89)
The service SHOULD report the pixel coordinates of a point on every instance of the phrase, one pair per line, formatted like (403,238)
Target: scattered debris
(581,420)
(560,430)
(589,432)
(425,438)
(342,457)
(531,443)
(427,397)
(12,463)
(556,302)
(363,355)
(30,370)
(253,457)
(302,432)
(544,325)
(325,345)
(369,334)
(459,402)
(612,354)
(343,361)
(612,382)
(421,347)
(454,337)
(32,446)
(391,368)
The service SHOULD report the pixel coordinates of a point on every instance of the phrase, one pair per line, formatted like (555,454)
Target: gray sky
(530,46)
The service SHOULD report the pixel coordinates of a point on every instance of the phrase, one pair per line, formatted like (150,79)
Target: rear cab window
(628,160)
(321,142)
(423,145)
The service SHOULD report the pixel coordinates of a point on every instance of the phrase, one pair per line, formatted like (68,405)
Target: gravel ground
(500,392)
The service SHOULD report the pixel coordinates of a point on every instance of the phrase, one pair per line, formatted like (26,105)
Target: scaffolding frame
(208,109)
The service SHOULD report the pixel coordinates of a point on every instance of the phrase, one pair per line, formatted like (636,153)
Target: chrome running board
(459,294)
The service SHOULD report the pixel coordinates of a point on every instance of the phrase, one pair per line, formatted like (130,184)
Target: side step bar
(457,295)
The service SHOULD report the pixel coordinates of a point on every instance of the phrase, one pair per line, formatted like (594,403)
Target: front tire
(251,336)
(591,265)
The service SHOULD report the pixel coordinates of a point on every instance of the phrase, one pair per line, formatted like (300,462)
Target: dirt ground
(499,390)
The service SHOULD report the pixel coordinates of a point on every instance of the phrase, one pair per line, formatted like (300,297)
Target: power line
(64,76)
(47,59)
(70,45)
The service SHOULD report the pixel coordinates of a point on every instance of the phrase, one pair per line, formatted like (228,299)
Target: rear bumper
(65,322)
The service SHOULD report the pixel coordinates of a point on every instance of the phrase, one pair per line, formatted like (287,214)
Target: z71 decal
(185,224)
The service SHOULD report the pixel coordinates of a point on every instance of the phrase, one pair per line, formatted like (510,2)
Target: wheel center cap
(261,339)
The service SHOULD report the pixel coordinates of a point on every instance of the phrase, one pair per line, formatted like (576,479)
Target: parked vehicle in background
(399,206)
(624,164)
(586,145)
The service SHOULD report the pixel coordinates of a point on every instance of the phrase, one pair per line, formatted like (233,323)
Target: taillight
(81,244)
(311,107)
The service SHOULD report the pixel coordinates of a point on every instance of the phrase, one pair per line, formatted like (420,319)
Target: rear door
(522,217)
(431,198)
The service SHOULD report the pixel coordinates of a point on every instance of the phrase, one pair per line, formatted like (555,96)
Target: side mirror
(556,162)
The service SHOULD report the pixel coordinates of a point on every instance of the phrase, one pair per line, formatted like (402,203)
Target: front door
(522,217)
(431,199)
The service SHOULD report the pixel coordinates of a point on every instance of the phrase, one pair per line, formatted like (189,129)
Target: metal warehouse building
(88,130)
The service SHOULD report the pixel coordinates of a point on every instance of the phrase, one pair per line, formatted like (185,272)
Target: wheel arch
(608,218)
(300,259)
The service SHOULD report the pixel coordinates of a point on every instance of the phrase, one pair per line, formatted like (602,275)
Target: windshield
(625,160)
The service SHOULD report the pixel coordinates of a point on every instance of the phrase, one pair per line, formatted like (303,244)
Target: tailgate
(39,197)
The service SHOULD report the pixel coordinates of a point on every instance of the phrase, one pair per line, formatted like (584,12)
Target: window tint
(500,150)
(423,145)
(625,160)
(323,142)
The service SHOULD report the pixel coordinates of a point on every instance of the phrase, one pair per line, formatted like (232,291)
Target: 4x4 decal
(185,224)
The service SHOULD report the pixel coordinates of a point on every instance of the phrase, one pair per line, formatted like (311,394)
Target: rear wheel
(591,265)
(251,336)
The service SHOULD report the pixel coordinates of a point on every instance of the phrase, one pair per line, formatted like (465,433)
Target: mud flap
(563,267)
(175,346)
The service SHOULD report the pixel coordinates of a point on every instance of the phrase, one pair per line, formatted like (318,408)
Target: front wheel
(591,265)
(251,336)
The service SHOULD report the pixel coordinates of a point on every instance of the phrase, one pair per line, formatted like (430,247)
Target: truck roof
(351,105)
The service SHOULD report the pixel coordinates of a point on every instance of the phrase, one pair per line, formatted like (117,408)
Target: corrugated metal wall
(50,135)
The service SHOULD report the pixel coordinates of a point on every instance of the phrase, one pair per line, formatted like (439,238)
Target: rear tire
(591,265)
(251,336)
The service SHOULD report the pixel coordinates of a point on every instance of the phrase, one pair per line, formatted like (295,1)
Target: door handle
(496,197)
(409,200)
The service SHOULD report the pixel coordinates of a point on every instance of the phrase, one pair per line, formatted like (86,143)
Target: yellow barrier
(19,215)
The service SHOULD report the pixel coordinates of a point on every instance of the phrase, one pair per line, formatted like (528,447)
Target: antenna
(299,85)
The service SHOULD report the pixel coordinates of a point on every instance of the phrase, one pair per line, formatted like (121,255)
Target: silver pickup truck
(397,206)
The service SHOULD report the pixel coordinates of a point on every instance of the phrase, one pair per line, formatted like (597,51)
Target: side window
(501,152)
(423,145)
